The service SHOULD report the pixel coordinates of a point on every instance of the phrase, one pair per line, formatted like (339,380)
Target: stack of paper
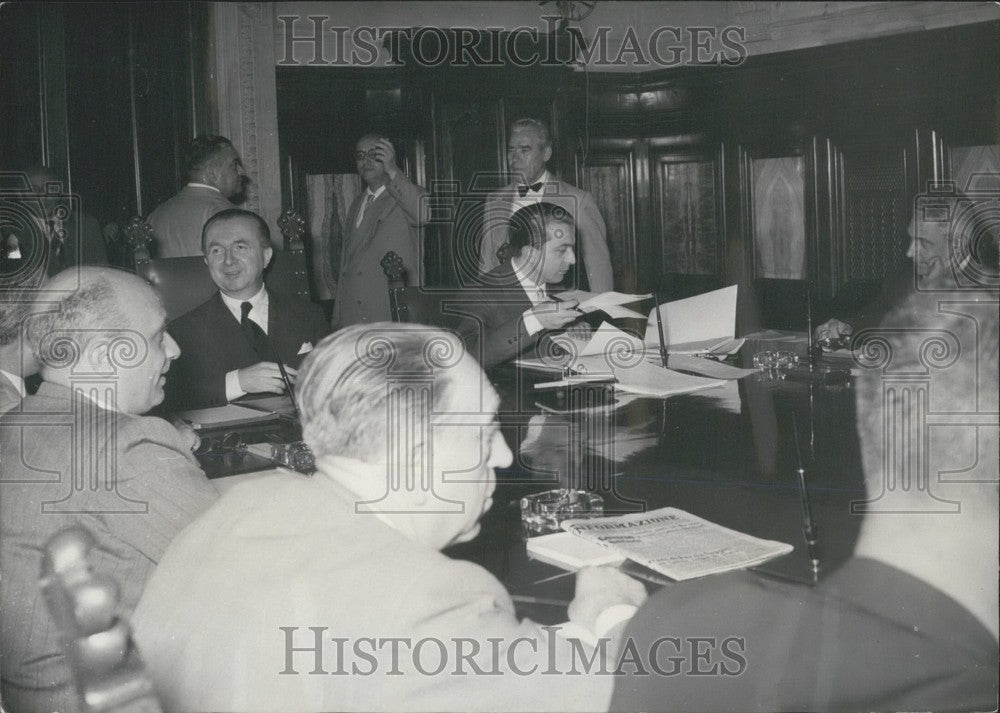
(676,543)
(566,550)
(608,339)
(702,324)
(613,353)
(223,416)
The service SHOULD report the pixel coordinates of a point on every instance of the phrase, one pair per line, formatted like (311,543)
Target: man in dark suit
(386,216)
(231,345)
(529,147)
(215,180)
(81,452)
(513,316)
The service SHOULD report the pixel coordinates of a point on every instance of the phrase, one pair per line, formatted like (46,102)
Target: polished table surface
(729,455)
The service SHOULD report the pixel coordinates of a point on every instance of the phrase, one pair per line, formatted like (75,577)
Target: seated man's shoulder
(195,319)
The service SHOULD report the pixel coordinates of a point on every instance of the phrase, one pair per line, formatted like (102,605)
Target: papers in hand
(702,324)
(611,352)
(676,543)
(611,303)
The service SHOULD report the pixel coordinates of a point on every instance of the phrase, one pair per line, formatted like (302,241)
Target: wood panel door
(609,173)
(687,220)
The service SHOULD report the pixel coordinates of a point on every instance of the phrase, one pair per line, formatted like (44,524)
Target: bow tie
(522,191)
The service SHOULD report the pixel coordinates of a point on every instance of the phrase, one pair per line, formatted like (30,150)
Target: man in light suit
(387,215)
(285,567)
(16,356)
(80,452)
(529,147)
(215,181)
(17,360)
(231,344)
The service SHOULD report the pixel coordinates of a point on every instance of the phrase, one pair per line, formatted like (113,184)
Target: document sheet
(676,543)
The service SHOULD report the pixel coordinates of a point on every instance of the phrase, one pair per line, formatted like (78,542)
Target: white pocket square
(305,348)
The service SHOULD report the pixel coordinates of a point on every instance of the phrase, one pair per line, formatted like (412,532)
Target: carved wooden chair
(107,668)
(418,305)
(183,283)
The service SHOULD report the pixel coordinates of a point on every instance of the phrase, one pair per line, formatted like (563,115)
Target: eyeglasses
(362,155)
(229,444)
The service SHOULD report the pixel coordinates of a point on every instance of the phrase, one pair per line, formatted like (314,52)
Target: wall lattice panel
(876,212)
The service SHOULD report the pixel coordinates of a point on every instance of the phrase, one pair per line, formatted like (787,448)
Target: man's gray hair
(536,125)
(955,354)
(74,321)
(345,384)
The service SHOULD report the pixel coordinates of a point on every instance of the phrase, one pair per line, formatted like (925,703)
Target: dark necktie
(534,188)
(254,334)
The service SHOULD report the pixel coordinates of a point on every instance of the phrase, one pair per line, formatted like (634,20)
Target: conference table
(729,454)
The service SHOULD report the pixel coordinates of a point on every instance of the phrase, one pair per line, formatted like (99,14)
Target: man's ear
(268,254)
(96,356)
(548,153)
(210,173)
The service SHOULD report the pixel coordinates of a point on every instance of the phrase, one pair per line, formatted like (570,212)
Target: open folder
(701,324)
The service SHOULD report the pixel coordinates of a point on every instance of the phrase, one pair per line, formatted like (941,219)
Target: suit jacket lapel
(277,327)
(364,233)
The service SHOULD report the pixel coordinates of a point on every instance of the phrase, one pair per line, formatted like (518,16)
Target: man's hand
(190,437)
(581,331)
(386,155)
(832,330)
(264,377)
(598,588)
(556,315)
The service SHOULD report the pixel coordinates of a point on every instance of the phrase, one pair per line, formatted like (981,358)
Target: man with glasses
(386,215)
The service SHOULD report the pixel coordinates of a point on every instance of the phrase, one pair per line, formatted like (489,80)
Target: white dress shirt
(192,184)
(16,381)
(258,314)
(370,197)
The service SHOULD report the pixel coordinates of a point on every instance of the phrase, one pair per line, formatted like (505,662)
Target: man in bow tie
(529,148)
(239,341)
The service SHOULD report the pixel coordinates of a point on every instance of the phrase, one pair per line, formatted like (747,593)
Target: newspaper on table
(676,543)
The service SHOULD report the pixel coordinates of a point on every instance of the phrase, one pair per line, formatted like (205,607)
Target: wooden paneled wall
(106,94)
(792,175)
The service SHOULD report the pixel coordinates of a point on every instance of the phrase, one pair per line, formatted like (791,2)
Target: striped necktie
(364,207)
